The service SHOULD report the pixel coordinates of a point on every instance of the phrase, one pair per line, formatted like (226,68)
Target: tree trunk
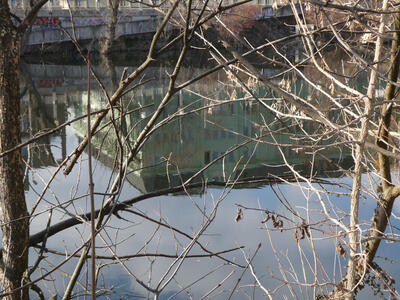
(112,24)
(390,192)
(14,214)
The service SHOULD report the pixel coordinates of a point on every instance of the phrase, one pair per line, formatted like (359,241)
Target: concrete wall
(87,25)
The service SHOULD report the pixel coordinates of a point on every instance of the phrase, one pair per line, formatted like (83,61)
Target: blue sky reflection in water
(186,146)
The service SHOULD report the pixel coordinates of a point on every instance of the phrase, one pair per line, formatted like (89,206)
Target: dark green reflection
(204,130)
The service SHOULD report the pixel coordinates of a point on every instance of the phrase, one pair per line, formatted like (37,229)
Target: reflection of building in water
(40,112)
(188,142)
(179,149)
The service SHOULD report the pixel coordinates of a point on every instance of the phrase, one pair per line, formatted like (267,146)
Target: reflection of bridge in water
(189,142)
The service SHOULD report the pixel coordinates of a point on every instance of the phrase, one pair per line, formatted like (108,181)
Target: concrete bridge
(90,18)
(54,26)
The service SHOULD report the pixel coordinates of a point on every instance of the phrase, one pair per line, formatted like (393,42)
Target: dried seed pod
(239,215)
(296,236)
(340,250)
(267,217)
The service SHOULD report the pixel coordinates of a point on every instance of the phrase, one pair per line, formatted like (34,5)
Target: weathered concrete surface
(91,24)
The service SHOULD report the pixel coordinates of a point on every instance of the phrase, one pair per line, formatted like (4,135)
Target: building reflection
(178,150)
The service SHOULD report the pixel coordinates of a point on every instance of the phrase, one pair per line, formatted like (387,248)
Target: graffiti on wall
(48,83)
(47,21)
(52,22)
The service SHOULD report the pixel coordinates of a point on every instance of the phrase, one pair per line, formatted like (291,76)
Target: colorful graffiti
(48,83)
(47,21)
(79,21)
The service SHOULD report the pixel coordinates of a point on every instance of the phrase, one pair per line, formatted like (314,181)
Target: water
(214,116)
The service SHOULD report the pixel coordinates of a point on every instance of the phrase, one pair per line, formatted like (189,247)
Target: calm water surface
(56,93)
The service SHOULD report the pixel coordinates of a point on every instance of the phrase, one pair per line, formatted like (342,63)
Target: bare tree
(310,109)
(365,116)
(15,218)
(114,7)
